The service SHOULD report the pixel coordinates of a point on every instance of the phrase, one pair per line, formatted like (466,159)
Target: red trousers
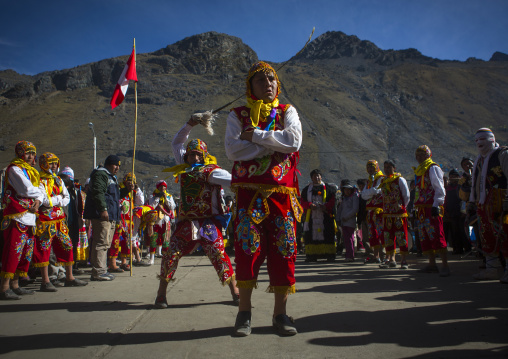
(56,235)
(375,227)
(119,245)
(273,239)
(430,230)
(183,242)
(493,232)
(18,248)
(395,233)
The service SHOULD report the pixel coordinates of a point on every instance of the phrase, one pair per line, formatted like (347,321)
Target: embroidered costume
(374,197)
(429,193)
(164,205)
(200,210)
(21,190)
(52,230)
(121,243)
(395,200)
(266,188)
(489,193)
(319,226)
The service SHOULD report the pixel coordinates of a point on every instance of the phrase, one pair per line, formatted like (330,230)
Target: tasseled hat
(200,146)
(425,150)
(23,147)
(373,163)
(47,158)
(129,177)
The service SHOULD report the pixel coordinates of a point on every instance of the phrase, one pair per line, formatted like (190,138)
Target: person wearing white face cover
(490,172)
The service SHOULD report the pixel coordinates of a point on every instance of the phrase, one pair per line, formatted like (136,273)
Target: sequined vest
(393,203)
(54,213)
(197,193)
(495,176)
(14,205)
(424,196)
(277,169)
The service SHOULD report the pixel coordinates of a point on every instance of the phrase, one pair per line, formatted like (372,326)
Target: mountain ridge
(356,102)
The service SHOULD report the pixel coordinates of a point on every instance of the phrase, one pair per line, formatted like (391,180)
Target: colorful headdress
(197,145)
(259,109)
(47,158)
(260,66)
(200,146)
(129,177)
(424,149)
(486,131)
(69,172)
(373,163)
(161,183)
(23,147)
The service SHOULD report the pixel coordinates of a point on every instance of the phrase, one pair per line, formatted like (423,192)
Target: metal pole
(94,151)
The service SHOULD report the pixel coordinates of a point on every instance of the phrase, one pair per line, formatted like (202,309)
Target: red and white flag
(129,73)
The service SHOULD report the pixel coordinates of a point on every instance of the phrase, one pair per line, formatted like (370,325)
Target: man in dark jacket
(103,209)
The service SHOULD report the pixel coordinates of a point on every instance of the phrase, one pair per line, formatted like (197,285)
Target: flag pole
(131,224)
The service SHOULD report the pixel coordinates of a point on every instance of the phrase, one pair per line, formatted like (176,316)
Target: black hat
(466,159)
(315,172)
(112,160)
(454,172)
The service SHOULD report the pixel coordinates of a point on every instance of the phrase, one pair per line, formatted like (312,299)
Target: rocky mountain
(356,102)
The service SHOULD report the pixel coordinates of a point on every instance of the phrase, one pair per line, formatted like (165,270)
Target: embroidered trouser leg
(18,248)
(375,228)
(114,249)
(183,241)
(273,238)
(395,233)
(55,235)
(430,230)
(493,232)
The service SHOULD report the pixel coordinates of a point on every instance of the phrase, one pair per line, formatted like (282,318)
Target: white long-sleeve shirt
(24,188)
(368,193)
(219,176)
(436,180)
(263,143)
(139,197)
(404,190)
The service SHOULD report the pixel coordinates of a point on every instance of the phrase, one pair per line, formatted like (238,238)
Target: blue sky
(37,36)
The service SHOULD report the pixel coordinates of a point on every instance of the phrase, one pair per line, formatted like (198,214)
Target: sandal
(125,267)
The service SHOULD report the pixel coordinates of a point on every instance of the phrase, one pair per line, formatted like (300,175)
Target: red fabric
(430,229)
(278,170)
(129,73)
(375,227)
(18,248)
(395,234)
(273,239)
(181,245)
(61,243)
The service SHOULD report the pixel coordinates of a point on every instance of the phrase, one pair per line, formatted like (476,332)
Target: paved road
(341,311)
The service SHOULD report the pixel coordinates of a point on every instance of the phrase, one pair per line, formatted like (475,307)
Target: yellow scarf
(423,167)
(259,108)
(32,172)
(182,168)
(50,183)
(376,176)
(387,180)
